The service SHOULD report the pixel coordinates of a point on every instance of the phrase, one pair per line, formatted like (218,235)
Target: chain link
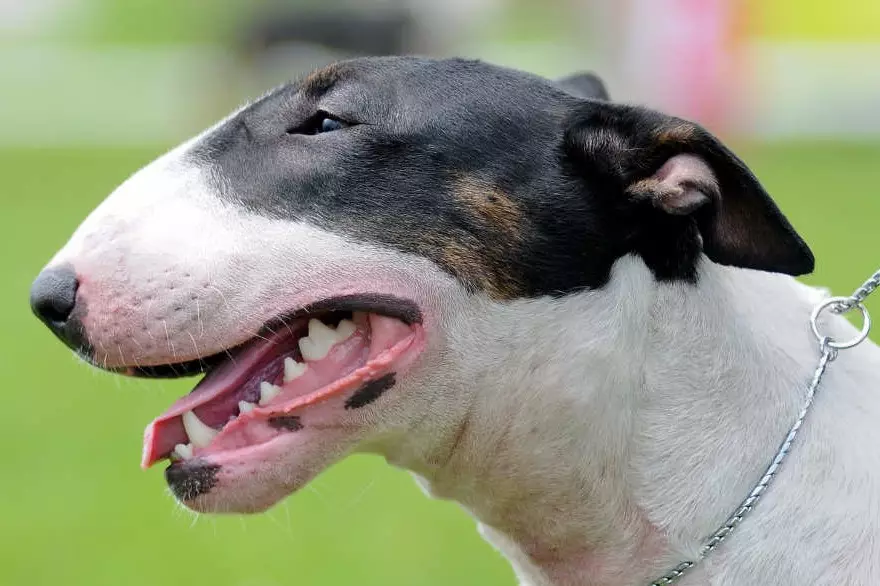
(862,293)
(829,350)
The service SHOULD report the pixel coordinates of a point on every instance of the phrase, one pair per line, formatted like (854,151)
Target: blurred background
(90,90)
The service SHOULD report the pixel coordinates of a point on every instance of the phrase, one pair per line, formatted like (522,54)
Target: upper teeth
(268,391)
(322,337)
(293,369)
(199,434)
(314,347)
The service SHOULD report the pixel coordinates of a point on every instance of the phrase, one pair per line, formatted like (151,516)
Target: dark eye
(330,124)
(319,123)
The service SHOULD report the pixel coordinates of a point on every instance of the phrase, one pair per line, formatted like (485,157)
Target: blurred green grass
(76,509)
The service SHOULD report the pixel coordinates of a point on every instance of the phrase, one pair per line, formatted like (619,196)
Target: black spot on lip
(370,391)
(191,479)
(286,422)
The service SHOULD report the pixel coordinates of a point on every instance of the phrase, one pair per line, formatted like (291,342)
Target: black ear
(584,85)
(679,177)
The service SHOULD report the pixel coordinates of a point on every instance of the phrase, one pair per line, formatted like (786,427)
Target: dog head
(320,252)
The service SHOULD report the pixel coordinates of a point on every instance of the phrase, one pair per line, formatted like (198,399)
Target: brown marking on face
(480,267)
(490,206)
(483,254)
(320,80)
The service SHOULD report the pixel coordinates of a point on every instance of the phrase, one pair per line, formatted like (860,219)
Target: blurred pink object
(681,56)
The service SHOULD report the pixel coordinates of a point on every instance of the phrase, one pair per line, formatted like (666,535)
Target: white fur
(598,437)
(621,427)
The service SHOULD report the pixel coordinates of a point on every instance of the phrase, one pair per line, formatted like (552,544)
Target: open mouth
(350,346)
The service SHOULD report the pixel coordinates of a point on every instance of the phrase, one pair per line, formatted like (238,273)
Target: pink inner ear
(685,168)
(683,184)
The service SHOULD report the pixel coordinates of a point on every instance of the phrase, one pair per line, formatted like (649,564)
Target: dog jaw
(170,273)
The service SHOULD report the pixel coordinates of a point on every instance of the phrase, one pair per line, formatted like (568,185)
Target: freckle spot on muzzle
(286,422)
(191,479)
(370,391)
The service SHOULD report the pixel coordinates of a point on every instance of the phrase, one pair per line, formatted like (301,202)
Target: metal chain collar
(828,348)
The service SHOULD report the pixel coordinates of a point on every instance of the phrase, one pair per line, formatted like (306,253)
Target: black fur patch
(370,391)
(509,183)
(191,479)
(286,422)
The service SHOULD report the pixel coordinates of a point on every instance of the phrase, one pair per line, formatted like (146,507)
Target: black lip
(402,309)
(179,369)
(191,479)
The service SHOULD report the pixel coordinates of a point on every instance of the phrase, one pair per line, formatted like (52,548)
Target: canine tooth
(317,344)
(245,406)
(344,330)
(293,369)
(268,391)
(183,451)
(199,434)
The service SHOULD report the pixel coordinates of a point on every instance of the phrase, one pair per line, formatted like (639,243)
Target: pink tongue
(166,431)
(230,373)
(211,395)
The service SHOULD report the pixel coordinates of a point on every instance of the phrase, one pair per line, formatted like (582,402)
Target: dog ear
(585,85)
(680,170)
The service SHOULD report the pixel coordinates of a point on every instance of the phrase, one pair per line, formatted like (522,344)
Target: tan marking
(490,205)
(472,265)
(479,265)
(680,132)
(321,79)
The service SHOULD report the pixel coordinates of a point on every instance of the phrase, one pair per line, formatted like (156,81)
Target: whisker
(196,348)
(147,319)
(223,297)
(199,319)
(168,337)
(135,340)
(287,325)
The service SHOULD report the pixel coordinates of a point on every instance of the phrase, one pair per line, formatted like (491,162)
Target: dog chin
(239,497)
(255,481)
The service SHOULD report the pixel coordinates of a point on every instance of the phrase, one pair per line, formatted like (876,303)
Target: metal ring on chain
(838,302)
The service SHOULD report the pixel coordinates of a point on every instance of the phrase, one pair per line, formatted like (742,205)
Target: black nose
(53,299)
(53,295)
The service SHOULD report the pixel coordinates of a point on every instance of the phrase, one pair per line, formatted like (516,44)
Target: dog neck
(607,433)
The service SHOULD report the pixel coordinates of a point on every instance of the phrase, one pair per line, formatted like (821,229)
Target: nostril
(53,295)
